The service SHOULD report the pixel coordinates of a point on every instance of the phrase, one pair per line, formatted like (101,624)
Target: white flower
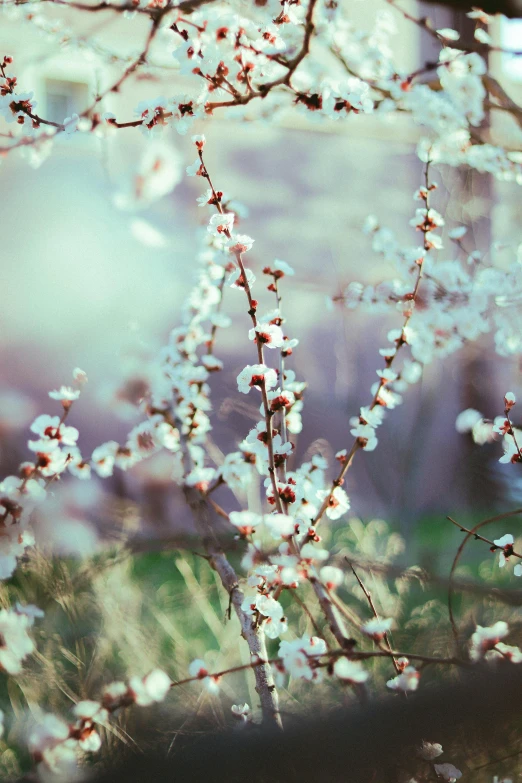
(485,638)
(152,114)
(114,692)
(350,96)
(299,656)
(458,232)
(505,542)
(388,375)
(245,521)
(311,552)
(151,688)
(220,223)
(467,419)
(275,623)
(372,416)
(71,124)
(283,267)
(65,393)
(350,671)
(505,651)
(449,34)
(280,400)
(279,525)
(16,642)
(26,493)
(52,433)
(198,669)
(194,169)
(511,453)
(206,198)
(90,710)
(430,750)
(46,732)
(483,37)
(79,375)
(104,457)
(199,141)
(331,577)
(338,503)
(509,400)
(407,680)
(267,334)
(365,434)
(377,628)
(242,712)
(256,375)
(240,243)
(236,279)
(478,13)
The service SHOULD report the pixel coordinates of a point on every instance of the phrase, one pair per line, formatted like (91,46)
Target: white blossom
(350,671)
(485,638)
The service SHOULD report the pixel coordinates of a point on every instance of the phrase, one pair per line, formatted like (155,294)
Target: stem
(400,342)
(253,635)
(260,352)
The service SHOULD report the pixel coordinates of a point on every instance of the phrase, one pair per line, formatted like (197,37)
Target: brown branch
(260,352)
(332,615)
(185,7)
(375,613)
(400,342)
(262,90)
(460,550)
(253,635)
(492,544)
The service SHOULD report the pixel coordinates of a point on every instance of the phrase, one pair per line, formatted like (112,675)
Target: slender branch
(253,635)
(332,614)
(260,351)
(375,613)
(400,342)
(492,544)
(460,550)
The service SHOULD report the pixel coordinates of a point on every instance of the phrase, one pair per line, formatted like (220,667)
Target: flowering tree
(275,58)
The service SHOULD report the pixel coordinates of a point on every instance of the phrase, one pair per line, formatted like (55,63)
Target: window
(63,98)
(511,38)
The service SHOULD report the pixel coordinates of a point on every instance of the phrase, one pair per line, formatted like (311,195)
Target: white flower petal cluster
(300,656)
(486,638)
(350,671)
(198,669)
(269,610)
(17,644)
(377,628)
(151,688)
(407,680)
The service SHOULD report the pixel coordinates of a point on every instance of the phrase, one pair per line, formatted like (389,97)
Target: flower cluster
(14,632)
(54,452)
(484,431)
(56,745)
